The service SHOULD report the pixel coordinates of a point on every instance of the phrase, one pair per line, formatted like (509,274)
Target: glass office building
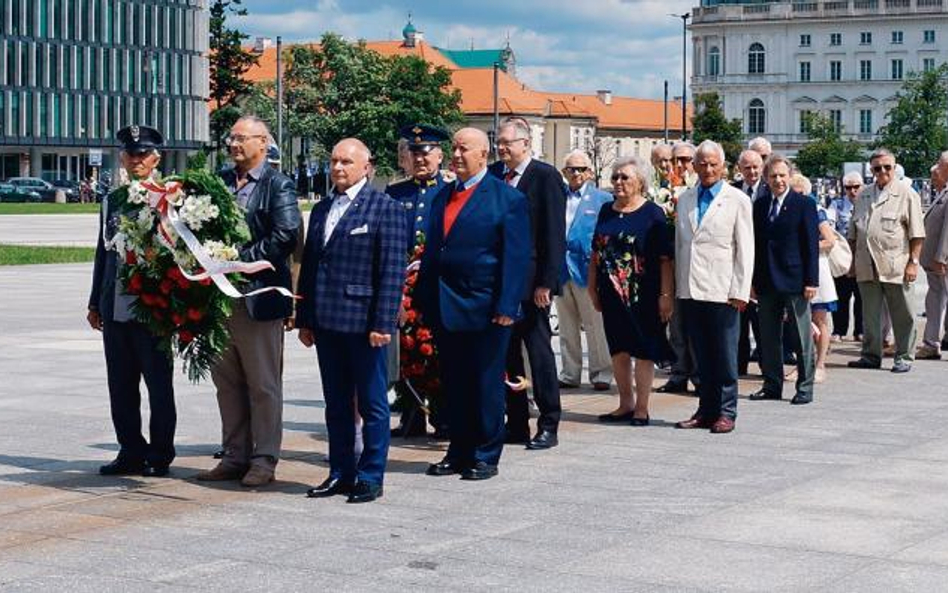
(73,72)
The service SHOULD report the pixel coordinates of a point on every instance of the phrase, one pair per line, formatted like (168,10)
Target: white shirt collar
(353,191)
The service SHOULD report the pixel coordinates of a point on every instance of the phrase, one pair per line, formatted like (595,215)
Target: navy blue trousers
(131,352)
(714,329)
(472,377)
(353,371)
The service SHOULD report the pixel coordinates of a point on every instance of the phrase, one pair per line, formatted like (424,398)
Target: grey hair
(943,157)
(852,176)
(774,160)
(880,153)
(749,154)
(760,143)
(520,126)
(711,145)
(803,181)
(660,146)
(579,154)
(687,146)
(641,168)
(256,120)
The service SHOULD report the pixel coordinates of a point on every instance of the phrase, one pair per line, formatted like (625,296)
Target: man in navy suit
(546,197)
(472,279)
(786,276)
(350,287)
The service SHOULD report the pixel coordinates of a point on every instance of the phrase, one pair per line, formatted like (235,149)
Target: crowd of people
(683,266)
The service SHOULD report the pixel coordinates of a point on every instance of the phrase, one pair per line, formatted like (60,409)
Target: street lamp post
(684,71)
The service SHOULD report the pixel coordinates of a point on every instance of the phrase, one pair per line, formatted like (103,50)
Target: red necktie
(509,175)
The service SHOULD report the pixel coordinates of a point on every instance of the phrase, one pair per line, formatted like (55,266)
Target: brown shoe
(257,476)
(601,386)
(695,422)
(722,425)
(927,353)
(220,473)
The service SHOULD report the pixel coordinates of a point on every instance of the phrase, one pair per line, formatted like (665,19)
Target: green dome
(409,30)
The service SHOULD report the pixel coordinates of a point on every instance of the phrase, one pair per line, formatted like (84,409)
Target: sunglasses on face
(620,177)
(576,170)
(684,159)
(881,168)
(853,187)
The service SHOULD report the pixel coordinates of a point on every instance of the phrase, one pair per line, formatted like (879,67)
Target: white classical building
(772,62)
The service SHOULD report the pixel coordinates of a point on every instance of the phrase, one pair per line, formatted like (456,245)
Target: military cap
(423,137)
(139,139)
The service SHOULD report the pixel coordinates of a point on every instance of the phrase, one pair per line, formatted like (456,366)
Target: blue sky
(628,46)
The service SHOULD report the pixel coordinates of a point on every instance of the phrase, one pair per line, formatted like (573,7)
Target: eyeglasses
(506,143)
(853,187)
(620,177)
(881,168)
(238,139)
(576,170)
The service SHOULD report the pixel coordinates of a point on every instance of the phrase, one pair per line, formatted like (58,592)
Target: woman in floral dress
(631,281)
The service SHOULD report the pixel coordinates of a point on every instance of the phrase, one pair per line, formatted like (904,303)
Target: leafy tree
(709,123)
(826,151)
(228,63)
(916,131)
(339,89)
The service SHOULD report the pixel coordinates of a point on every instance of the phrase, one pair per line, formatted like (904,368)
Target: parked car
(12,193)
(68,187)
(40,186)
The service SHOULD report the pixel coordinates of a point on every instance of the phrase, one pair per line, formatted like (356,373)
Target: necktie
(509,175)
(750,191)
(774,205)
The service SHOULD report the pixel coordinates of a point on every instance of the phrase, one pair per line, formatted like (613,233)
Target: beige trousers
(576,314)
(249,381)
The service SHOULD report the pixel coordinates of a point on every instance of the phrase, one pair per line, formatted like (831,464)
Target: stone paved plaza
(847,494)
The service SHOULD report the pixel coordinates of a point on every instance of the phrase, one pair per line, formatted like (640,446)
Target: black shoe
(155,471)
(801,399)
(613,418)
(763,394)
(445,467)
(790,359)
(330,487)
(565,385)
(674,387)
(863,363)
(545,439)
(479,471)
(122,467)
(365,492)
(640,421)
(219,454)
(944,345)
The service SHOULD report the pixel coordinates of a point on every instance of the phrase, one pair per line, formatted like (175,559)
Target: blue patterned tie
(773,209)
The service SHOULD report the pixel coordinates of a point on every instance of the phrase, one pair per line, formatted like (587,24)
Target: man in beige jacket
(934,261)
(886,233)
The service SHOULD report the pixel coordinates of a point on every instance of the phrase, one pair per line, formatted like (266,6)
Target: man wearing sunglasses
(886,232)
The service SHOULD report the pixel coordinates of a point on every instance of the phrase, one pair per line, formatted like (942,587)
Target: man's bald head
(349,163)
(469,152)
(751,166)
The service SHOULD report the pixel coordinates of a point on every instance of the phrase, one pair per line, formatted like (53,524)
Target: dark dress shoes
(863,363)
(330,487)
(613,418)
(122,467)
(445,467)
(762,395)
(674,387)
(545,439)
(639,421)
(695,422)
(155,471)
(801,399)
(479,471)
(722,425)
(365,492)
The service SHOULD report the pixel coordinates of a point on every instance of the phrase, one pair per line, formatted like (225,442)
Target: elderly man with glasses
(574,307)
(886,232)
(934,260)
(846,288)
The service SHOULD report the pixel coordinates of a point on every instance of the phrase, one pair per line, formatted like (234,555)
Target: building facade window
(928,64)
(756,57)
(805,116)
(928,36)
(714,61)
(865,69)
(865,121)
(865,38)
(836,71)
(756,117)
(805,40)
(836,117)
(897,37)
(896,69)
(836,39)
(804,72)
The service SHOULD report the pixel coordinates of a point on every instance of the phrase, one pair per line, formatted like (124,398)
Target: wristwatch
(913,260)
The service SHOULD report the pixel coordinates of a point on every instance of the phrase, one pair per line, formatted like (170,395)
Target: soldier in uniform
(416,195)
(131,350)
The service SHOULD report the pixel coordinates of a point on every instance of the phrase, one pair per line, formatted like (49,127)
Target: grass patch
(19,255)
(46,208)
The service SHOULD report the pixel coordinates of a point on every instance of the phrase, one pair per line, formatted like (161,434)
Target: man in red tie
(472,279)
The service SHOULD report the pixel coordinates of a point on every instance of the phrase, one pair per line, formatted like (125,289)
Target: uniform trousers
(576,314)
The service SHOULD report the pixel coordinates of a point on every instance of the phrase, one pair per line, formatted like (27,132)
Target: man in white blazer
(714,250)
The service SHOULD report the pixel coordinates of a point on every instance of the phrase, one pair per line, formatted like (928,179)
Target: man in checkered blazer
(350,283)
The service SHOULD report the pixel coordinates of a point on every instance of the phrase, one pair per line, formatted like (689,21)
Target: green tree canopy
(228,63)
(709,123)
(339,89)
(826,151)
(917,130)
